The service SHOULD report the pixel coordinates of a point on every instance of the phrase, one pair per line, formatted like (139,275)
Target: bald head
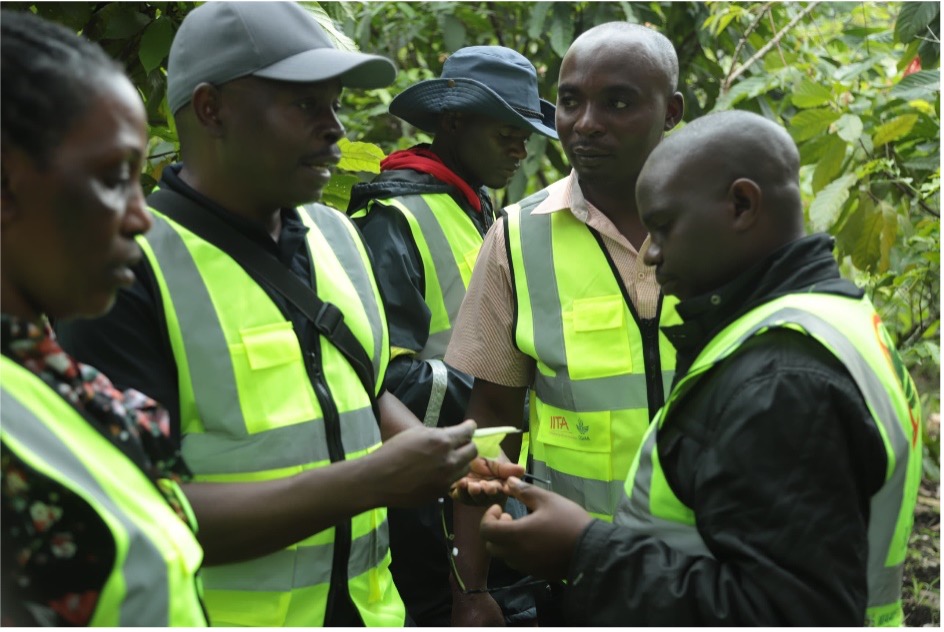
(719,196)
(611,34)
(726,146)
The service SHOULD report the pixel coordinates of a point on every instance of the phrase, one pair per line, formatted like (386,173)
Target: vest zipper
(655,391)
(338,588)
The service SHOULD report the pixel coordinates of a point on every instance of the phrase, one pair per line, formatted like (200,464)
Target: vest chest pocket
(595,338)
(271,378)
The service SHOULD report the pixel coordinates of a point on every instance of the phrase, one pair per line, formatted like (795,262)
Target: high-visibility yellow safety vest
(254,407)
(448,243)
(591,395)
(865,348)
(154,579)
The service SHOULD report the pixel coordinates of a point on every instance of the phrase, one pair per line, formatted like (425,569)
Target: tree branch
(766,48)
(743,40)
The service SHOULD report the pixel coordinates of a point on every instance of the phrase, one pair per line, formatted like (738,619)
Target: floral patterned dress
(55,551)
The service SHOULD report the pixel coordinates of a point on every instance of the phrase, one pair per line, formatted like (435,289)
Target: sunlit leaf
(824,210)
(849,127)
(809,123)
(809,95)
(894,129)
(919,85)
(359,156)
(830,164)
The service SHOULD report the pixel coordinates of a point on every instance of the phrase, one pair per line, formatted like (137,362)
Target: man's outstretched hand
(485,482)
(541,543)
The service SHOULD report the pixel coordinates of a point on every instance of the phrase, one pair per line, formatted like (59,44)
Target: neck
(233,201)
(619,207)
(449,155)
(15,303)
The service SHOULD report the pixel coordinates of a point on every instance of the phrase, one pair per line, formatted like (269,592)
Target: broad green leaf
(359,156)
(914,18)
(919,85)
(860,238)
(849,127)
(810,123)
(341,40)
(538,14)
(337,192)
(894,129)
(155,43)
(746,89)
(454,33)
(810,95)
(830,164)
(122,20)
(562,32)
(889,234)
(824,210)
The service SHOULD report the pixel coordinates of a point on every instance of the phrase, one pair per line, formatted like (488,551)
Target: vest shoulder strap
(262,266)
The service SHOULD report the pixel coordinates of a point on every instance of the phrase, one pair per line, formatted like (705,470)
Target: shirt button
(642,275)
(715,299)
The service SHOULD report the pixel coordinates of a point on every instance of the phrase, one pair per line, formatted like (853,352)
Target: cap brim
(356,70)
(421,104)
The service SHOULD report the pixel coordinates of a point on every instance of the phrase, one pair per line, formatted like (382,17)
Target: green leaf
(824,210)
(889,234)
(359,156)
(849,127)
(122,20)
(155,43)
(914,18)
(894,129)
(538,14)
(321,16)
(562,34)
(810,123)
(830,164)
(454,33)
(337,193)
(918,85)
(810,95)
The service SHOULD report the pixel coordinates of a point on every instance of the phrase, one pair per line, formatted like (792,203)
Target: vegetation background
(857,84)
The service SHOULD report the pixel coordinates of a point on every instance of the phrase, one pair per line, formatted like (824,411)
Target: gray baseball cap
(220,41)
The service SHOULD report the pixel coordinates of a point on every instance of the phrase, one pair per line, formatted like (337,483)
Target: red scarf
(425,161)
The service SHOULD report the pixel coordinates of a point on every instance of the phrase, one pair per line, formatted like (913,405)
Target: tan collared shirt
(482,342)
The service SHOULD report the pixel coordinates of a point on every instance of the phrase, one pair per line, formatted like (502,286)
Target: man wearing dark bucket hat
(424,218)
(561,307)
(258,323)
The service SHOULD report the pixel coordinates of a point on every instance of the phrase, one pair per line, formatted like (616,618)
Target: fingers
(461,434)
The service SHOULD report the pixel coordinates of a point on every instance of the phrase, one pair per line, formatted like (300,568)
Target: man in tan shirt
(616,98)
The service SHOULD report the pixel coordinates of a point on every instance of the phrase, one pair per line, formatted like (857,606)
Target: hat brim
(356,70)
(421,104)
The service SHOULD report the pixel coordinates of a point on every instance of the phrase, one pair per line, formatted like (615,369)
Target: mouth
(589,152)
(322,164)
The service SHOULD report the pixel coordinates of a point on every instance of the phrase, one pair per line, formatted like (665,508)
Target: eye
(567,102)
(619,104)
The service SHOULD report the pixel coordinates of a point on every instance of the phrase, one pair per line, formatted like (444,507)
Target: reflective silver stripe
(289,569)
(333,226)
(537,255)
(618,392)
(437,392)
(436,345)
(146,601)
(635,512)
(298,444)
(593,495)
(447,270)
(884,583)
(211,368)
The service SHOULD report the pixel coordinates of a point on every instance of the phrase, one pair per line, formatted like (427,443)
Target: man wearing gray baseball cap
(257,321)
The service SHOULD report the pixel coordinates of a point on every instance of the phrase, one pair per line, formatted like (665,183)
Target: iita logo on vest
(560,427)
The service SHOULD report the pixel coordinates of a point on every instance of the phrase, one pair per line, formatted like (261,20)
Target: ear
(450,122)
(674,109)
(206,104)
(745,197)
(15,165)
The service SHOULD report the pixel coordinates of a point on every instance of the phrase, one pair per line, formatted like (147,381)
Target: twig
(766,48)
(773,27)
(495,23)
(747,33)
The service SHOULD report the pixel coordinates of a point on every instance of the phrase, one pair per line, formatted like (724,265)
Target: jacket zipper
(655,391)
(342,530)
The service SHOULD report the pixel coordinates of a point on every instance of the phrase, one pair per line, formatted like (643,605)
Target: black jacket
(775,452)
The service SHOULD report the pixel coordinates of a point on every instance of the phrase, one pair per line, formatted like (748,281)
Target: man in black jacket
(788,453)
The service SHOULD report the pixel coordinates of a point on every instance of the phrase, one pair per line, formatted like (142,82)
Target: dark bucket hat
(221,41)
(491,80)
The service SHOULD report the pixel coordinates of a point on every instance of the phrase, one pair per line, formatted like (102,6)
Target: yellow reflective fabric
(154,579)
(249,411)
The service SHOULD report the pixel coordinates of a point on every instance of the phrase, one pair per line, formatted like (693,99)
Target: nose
(519,149)
(333,129)
(137,219)
(588,122)
(653,254)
